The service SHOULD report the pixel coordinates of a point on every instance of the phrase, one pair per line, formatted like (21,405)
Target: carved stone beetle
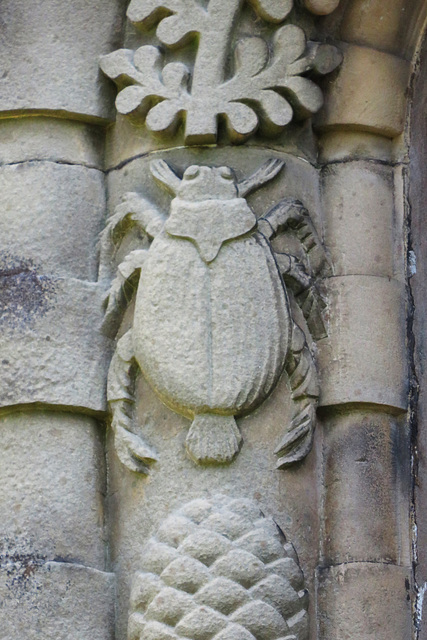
(212,330)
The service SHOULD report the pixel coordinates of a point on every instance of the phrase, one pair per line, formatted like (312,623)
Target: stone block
(339,146)
(364,601)
(362,231)
(367,94)
(51,470)
(377,24)
(366,488)
(51,347)
(298,179)
(363,359)
(54,139)
(60,209)
(49,56)
(55,601)
(124,142)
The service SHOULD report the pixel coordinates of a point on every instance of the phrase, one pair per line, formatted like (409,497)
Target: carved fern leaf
(265,91)
(148,89)
(273,91)
(177,19)
(272,10)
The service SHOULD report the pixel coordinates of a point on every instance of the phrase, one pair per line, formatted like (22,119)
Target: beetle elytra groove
(213,330)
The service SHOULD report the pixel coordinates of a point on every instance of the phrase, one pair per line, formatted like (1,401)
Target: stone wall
(212,408)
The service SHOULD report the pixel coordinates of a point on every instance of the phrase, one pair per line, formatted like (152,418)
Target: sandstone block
(338,146)
(49,56)
(60,209)
(365,601)
(55,601)
(51,470)
(55,139)
(377,24)
(367,488)
(362,231)
(51,347)
(368,93)
(298,179)
(363,359)
(124,141)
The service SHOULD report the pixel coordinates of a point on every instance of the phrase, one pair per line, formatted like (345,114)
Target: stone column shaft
(365,566)
(53,105)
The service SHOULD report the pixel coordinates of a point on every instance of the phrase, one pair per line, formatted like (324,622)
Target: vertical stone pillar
(54,580)
(364,580)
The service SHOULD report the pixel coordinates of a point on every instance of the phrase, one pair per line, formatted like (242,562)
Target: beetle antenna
(163,173)
(264,174)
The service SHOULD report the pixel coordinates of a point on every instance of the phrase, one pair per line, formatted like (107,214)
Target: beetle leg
(133,210)
(305,290)
(290,216)
(293,272)
(301,370)
(131,450)
(122,289)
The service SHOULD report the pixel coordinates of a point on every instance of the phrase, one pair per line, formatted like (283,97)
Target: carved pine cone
(219,570)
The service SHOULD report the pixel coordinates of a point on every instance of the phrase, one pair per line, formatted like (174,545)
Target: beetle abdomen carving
(219,346)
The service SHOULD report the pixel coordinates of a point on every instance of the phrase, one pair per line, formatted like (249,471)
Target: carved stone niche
(217,568)
(213,329)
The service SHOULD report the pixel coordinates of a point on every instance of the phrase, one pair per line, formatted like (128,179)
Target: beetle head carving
(200,183)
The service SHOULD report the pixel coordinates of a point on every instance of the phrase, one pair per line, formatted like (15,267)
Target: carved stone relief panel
(157,427)
(212,260)
(210,264)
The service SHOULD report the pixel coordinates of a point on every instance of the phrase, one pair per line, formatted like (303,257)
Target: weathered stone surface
(55,601)
(363,233)
(125,142)
(368,93)
(363,359)
(366,488)
(338,146)
(52,472)
(51,347)
(365,601)
(218,567)
(49,56)
(54,139)
(377,24)
(51,216)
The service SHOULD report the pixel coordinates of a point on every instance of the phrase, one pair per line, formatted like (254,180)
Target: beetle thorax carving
(212,330)
(208,211)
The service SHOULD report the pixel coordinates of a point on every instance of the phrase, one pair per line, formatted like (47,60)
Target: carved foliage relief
(217,569)
(266,87)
